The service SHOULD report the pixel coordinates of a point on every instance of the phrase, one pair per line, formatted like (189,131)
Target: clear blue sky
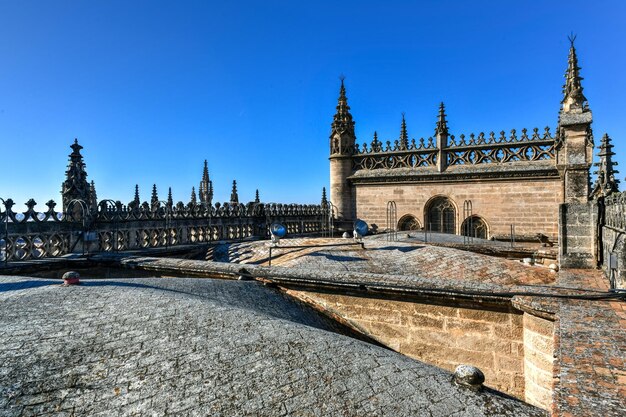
(152,88)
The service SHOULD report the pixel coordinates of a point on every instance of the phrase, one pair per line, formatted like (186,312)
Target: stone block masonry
(513,350)
(577,234)
(532,206)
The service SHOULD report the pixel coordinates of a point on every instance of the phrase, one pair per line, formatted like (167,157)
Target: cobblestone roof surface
(382,257)
(591,358)
(155,346)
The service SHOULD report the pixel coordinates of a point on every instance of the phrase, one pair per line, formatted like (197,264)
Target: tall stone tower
(75,186)
(575,137)
(342,141)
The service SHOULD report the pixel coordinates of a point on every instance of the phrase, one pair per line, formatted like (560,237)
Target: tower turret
(574,136)
(342,141)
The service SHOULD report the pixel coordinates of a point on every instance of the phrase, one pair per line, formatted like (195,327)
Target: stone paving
(154,346)
(381,257)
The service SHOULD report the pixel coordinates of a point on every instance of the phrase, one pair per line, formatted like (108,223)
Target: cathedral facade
(482,185)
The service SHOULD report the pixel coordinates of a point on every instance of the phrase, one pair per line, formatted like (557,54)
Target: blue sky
(152,88)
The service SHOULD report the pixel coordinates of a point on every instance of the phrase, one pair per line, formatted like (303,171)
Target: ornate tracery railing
(464,150)
(113,226)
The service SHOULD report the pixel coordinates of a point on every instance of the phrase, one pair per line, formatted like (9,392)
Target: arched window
(409,222)
(474,226)
(441,216)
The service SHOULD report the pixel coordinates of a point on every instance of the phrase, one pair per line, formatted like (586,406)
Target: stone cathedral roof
(156,346)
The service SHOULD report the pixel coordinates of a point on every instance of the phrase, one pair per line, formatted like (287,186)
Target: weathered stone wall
(577,234)
(538,360)
(531,205)
(444,336)
(514,350)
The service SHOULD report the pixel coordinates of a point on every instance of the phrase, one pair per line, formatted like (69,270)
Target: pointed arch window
(441,216)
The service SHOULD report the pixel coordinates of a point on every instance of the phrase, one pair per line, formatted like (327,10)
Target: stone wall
(538,360)
(531,205)
(577,234)
(513,349)
(445,336)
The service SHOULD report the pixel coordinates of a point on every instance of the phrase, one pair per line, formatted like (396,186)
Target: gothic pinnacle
(234,197)
(404,137)
(136,200)
(324,201)
(170,201)
(342,121)
(154,200)
(442,123)
(573,97)
(193,200)
(606,183)
(257,199)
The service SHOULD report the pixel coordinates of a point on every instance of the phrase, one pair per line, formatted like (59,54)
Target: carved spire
(193,200)
(75,186)
(376,144)
(342,121)
(93,197)
(257,199)
(154,200)
(136,200)
(442,123)
(234,197)
(573,97)
(205,199)
(170,200)
(605,183)
(324,202)
(404,136)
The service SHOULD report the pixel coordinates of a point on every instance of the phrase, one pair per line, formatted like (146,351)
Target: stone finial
(136,200)
(205,191)
(606,183)
(154,199)
(234,197)
(442,123)
(324,202)
(257,199)
(404,136)
(376,145)
(469,376)
(93,197)
(193,200)
(170,200)
(342,121)
(573,98)
(75,186)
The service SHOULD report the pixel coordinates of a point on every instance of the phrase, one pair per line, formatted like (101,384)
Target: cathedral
(487,185)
